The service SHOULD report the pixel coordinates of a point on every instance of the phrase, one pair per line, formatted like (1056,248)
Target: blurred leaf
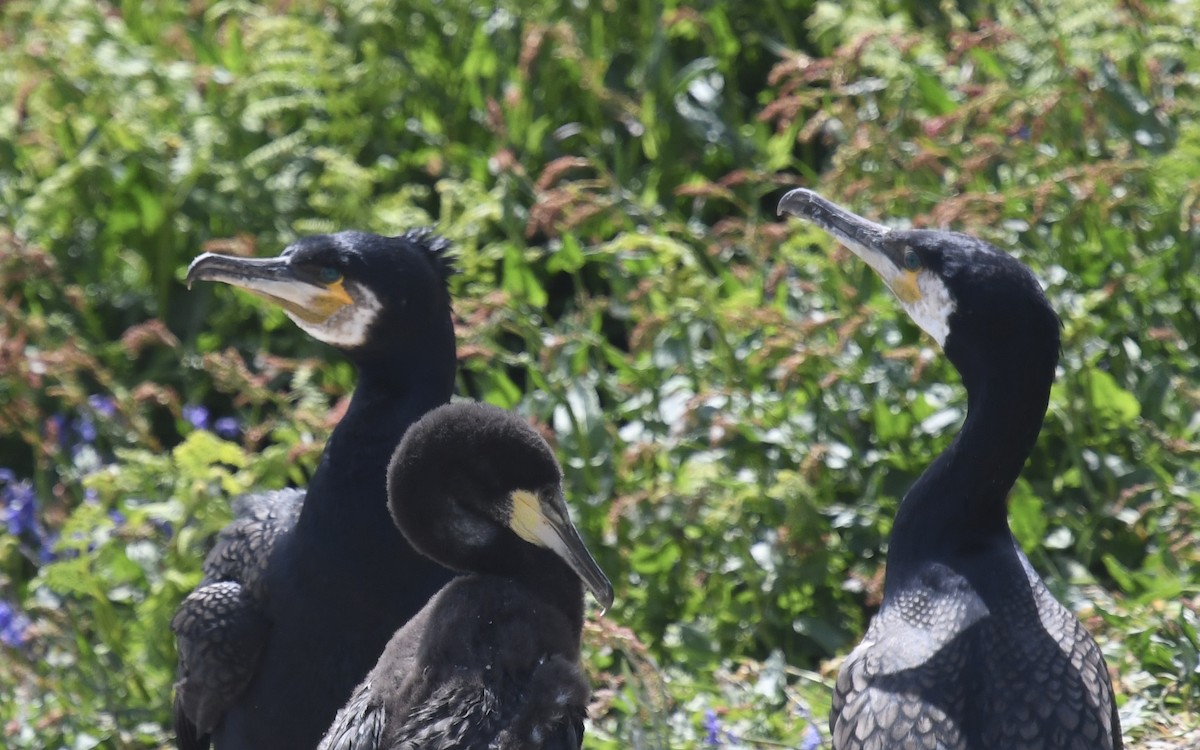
(1112,404)
(1026,516)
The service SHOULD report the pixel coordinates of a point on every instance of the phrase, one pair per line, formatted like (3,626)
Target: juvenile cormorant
(969,650)
(265,652)
(492,661)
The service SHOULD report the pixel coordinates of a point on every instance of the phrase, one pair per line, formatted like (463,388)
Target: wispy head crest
(437,248)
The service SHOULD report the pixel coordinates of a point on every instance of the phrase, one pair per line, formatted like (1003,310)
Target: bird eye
(328,274)
(912,261)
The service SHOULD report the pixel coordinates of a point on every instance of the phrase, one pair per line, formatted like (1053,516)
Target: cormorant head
(471,483)
(341,288)
(976,301)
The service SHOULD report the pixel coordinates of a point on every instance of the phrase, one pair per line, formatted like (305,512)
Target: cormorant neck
(418,365)
(958,507)
(391,395)
(547,575)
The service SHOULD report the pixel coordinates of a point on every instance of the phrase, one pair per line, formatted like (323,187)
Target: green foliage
(737,407)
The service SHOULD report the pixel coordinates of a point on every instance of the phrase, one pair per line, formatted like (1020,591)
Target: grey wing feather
(938,670)
(243,548)
(358,725)
(220,634)
(1052,686)
(457,714)
(222,626)
(885,692)
(466,712)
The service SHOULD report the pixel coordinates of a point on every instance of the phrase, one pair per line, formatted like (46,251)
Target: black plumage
(304,588)
(969,649)
(493,660)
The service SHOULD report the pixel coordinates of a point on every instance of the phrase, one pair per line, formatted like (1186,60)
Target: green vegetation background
(737,403)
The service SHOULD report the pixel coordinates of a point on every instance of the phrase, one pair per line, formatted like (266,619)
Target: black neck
(541,571)
(957,508)
(546,574)
(389,398)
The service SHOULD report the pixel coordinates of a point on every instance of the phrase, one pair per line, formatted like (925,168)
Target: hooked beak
(543,520)
(864,237)
(275,280)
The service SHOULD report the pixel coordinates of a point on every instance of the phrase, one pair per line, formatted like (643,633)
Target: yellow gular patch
(906,287)
(309,304)
(527,519)
(334,298)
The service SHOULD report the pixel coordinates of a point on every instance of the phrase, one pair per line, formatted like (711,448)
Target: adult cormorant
(304,588)
(492,661)
(969,650)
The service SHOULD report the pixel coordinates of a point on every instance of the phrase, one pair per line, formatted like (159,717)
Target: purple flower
(117,517)
(197,415)
(164,527)
(57,424)
(227,427)
(86,429)
(13,624)
(105,406)
(812,736)
(20,508)
(47,554)
(712,725)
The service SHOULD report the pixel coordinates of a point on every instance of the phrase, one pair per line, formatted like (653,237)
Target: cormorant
(303,589)
(492,661)
(969,650)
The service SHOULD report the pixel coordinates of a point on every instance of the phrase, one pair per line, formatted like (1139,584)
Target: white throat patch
(933,308)
(347,327)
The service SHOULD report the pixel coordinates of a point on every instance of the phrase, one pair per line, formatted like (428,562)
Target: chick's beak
(541,519)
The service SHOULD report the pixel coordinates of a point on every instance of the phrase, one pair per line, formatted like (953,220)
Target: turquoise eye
(328,275)
(912,261)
